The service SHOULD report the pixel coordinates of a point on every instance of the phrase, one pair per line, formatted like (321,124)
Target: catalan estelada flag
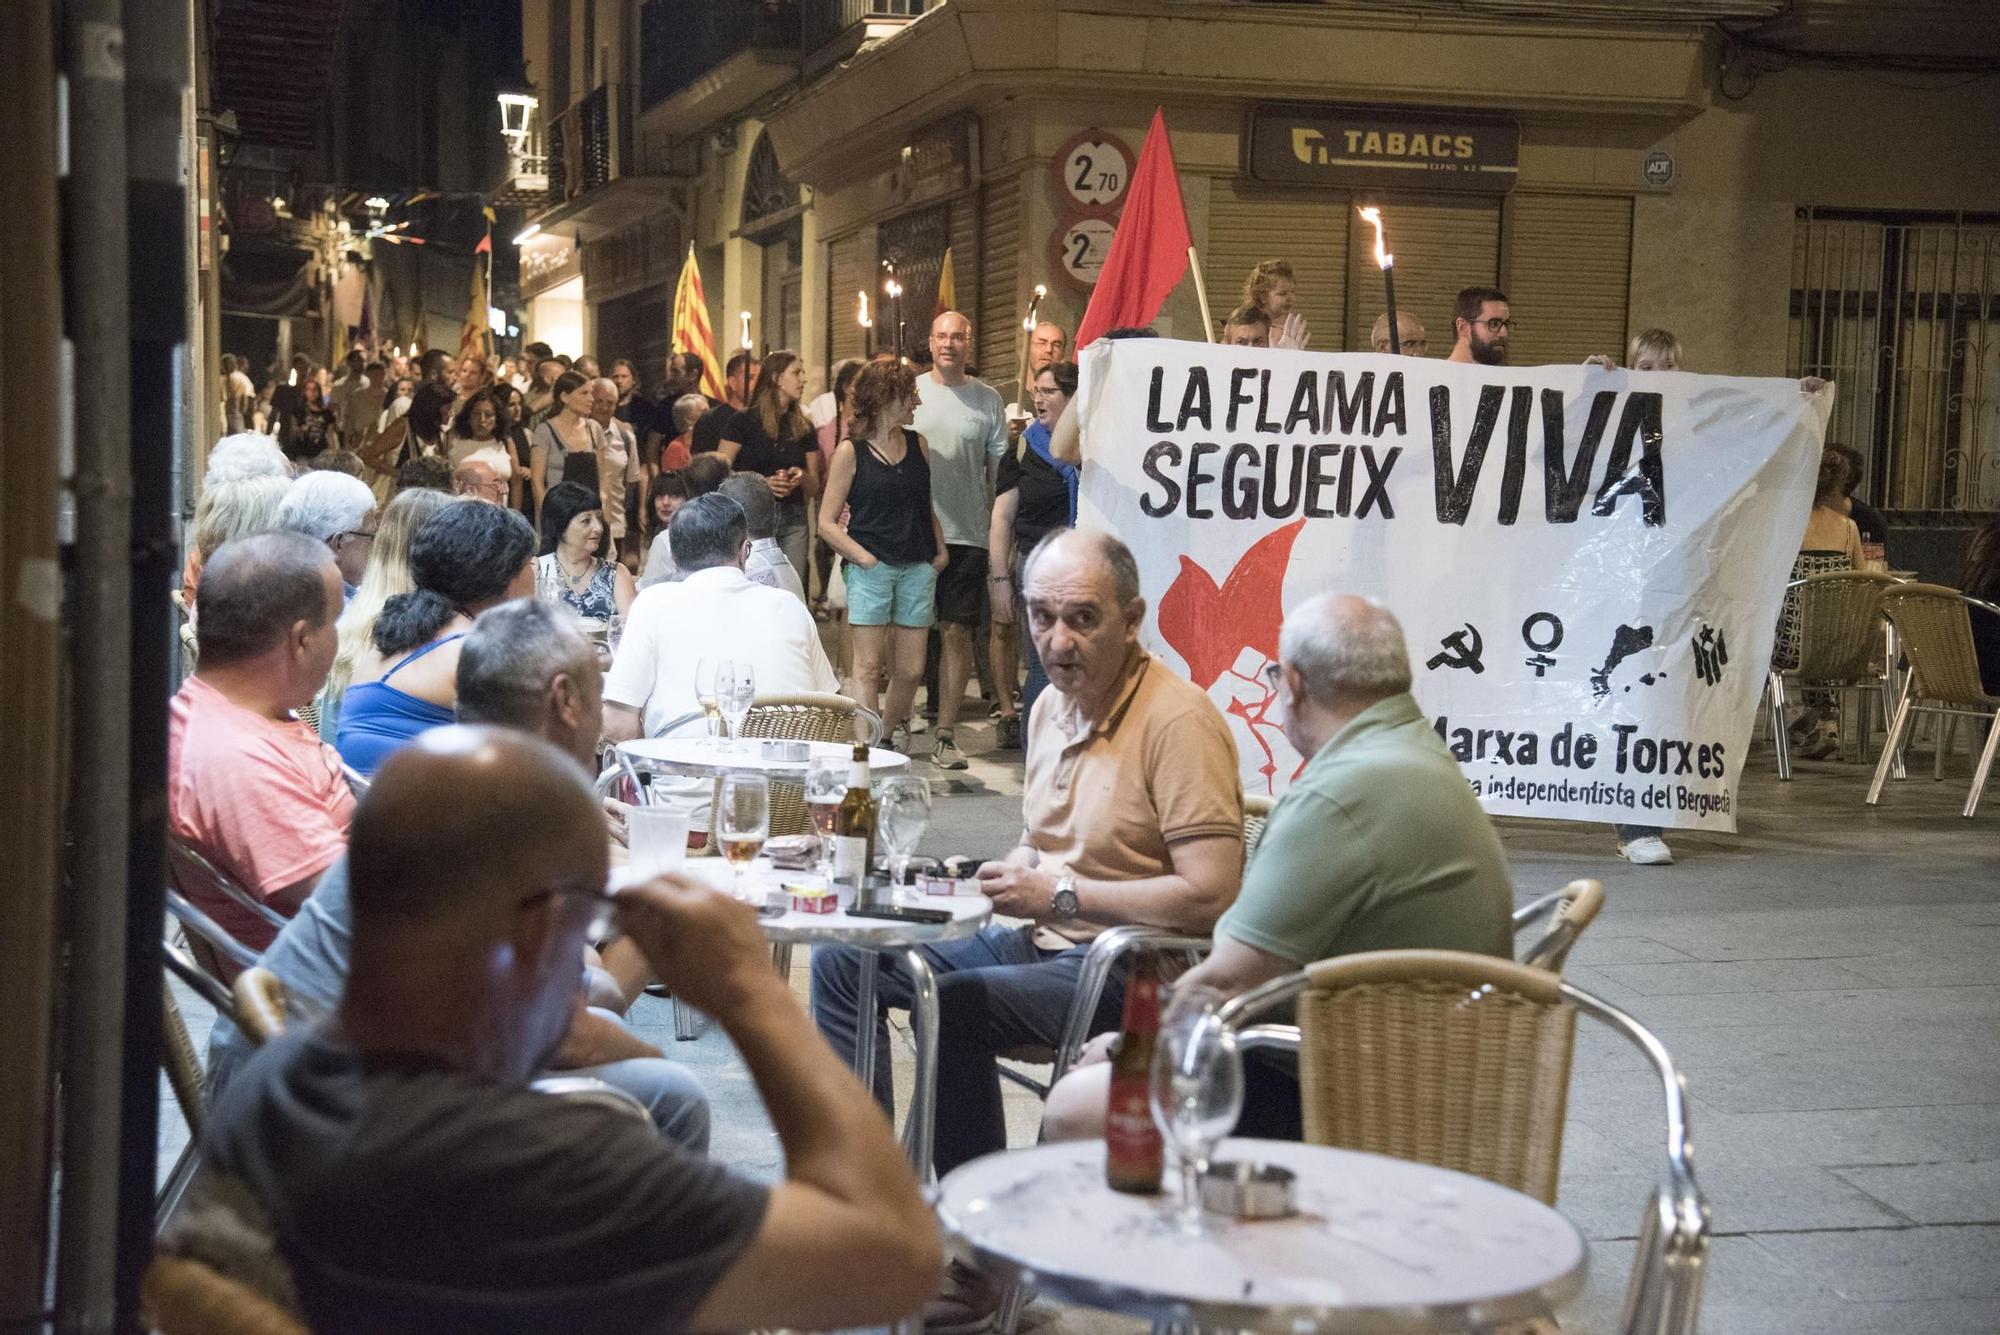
(691,332)
(947,287)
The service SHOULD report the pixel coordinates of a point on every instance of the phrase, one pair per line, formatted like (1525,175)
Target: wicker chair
(183,1068)
(1839,647)
(1569,910)
(1934,624)
(1463,1061)
(812,717)
(262,1004)
(183,1296)
(192,873)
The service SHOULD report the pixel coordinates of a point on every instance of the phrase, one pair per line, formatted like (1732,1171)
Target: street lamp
(517,114)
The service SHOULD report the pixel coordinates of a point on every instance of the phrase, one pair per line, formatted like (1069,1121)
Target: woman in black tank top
(891,546)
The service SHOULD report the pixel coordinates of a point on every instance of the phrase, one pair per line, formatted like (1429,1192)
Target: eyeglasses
(1041,393)
(603,903)
(951,338)
(1495,325)
(1273,674)
(367,535)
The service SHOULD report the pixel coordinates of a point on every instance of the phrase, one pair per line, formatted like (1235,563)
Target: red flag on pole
(1149,253)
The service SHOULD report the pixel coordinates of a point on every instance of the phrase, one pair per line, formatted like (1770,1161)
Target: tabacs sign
(1381,148)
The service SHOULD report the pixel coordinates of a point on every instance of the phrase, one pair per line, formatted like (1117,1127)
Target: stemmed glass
(826,785)
(743,816)
(735,691)
(1197,1095)
(902,814)
(707,672)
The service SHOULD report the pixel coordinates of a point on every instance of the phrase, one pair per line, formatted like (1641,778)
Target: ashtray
(1246,1190)
(791,753)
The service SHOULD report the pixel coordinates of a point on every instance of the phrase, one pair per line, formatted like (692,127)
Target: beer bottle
(854,827)
(1133,1152)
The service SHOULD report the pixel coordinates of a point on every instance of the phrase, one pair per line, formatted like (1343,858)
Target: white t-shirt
(713,614)
(966,429)
(822,410)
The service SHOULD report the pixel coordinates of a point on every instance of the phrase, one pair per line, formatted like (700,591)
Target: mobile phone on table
(897,913)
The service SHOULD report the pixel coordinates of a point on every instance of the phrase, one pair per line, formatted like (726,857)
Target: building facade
(1789,192)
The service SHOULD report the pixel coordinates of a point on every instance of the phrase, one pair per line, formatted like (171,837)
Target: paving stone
(1934,1193)
(1880,1265)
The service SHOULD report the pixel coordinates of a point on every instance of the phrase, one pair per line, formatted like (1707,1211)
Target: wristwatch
(1063,907)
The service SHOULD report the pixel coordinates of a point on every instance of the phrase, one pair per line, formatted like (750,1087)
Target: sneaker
(1008,733)
(899,738)
(1821,745)
(919,724)
(966,1304)
(1647,850)
(946,755)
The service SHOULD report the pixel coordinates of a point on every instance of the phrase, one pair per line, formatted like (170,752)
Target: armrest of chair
(357,782)
(236,894)
(1111,945)
(261,1004)
(209,930)
(1269,1038)
(180,964)
(590,1089)
(1664,1292)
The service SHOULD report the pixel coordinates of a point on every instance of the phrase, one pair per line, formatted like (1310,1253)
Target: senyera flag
(1588,564)
(691,332)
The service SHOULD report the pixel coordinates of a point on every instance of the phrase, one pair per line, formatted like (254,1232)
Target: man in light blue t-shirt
(964,423)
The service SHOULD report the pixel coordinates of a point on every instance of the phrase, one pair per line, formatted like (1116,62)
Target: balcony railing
(826,20)
(590,144)
(681,40)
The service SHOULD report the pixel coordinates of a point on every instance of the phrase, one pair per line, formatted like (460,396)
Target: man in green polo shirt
(1377,845)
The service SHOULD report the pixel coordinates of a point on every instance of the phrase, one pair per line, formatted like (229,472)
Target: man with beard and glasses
(1483,323)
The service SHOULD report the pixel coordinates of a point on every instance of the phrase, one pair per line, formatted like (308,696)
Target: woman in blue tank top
(466,558)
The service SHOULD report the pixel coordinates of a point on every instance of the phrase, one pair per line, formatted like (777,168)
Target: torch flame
(1382,257)
(746,329)
(861,314)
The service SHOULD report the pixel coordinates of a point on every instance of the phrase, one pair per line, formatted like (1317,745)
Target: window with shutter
(844,281)
(999,283)
(1311,233)
(1440,246)
(1568,272)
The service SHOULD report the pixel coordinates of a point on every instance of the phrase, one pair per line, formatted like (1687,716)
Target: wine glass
(743,816)
(707,671)
(735,691)
(1197,1095)
(902,814)
(826,785)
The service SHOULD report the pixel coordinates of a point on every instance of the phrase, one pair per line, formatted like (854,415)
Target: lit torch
(867,325)
(1388,264)
(894,291)
(745,317)
(1034,312)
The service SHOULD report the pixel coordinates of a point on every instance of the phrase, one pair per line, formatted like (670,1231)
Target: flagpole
(1201,294)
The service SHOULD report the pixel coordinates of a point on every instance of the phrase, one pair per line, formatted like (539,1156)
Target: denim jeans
(997,990)
(668,1089)
(1038,676)
(1627,833)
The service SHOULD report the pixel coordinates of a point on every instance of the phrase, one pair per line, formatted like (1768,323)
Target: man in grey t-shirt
(964,423)
(415,1183)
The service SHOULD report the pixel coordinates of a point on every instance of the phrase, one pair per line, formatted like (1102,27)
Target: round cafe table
(1377,1245)
(708,757)
(970,913)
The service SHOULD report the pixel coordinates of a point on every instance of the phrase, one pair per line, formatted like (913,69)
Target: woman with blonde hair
(387,575)
(226,510)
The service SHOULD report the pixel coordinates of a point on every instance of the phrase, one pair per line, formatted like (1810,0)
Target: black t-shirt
(709,428)
(764,455)
(1044,503)
(1874,528)
(408,1197)
(637,413)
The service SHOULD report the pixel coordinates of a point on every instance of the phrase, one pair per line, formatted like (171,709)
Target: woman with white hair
(226,508)
(339,511)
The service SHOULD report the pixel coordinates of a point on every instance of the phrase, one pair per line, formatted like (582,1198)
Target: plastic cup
(657,838)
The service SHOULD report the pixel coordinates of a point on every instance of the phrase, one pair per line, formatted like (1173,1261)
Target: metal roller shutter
(843,282)
(1568,274)
(965,256)
(998,282)
(1312,234)
(1440,246)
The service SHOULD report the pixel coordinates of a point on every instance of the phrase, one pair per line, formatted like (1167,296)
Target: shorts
(961,588)
(885,595)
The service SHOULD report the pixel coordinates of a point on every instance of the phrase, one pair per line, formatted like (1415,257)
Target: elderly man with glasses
(1338,870)
(339,511)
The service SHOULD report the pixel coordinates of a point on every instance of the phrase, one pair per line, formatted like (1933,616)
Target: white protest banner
(1588,564)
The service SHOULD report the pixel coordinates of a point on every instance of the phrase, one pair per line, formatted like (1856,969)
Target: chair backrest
(1440,1056)
(1570,910)
(217,953)
(1840,618)
(811,717)
(1936,632)
(1256,815)
(183,1296)
(182,1063)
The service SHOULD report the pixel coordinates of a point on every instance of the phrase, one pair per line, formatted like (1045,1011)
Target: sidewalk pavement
(1828,979)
